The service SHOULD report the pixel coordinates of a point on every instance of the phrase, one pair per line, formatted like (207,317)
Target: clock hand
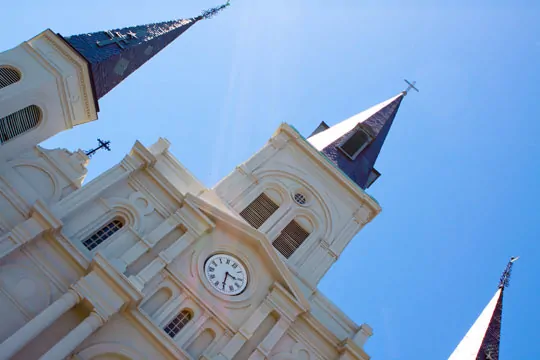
(224,280)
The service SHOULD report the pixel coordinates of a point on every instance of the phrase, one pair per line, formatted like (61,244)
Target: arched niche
(109,351)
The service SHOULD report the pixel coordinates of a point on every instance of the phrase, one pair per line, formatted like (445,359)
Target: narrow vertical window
(8,76)
(103,234)
(259,210)
(290,239)
(178,323)
(19,122)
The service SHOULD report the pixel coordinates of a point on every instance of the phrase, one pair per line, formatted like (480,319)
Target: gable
(257,241)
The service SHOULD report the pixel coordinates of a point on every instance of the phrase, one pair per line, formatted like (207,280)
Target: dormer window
(355,143)
(259,210)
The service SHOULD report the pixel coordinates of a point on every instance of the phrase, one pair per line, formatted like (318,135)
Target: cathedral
(144,261)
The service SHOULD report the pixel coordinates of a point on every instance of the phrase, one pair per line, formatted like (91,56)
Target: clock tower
(308,194)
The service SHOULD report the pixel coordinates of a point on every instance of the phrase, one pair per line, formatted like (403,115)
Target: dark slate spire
(483,339)
(354,144)
(113,55)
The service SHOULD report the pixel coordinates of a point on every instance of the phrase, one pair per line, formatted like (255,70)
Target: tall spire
(113,55)
(354,144)
(483,339)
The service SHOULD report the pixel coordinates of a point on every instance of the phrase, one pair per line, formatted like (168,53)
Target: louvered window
(259,210)
(19,122)
(103,234)
(290,239)
(8,76)
(178,323)
(355,143)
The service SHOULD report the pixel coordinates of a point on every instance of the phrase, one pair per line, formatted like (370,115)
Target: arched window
(290,239)
(19,122)
(8,76)
(103,234)
(259,210)
(178,323)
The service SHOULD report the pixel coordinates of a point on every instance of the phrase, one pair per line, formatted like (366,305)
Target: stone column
(165,257)
(246,332)
(75,337)
(148,242)
(191,330)
(35,326)
(40,221)
(274,335)
(232,347)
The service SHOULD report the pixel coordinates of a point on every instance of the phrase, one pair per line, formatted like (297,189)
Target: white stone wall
(61,300)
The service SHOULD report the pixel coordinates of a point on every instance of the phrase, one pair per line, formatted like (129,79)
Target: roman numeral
(237,284)
(214,263)
(235,265)
(231,288)
(228,261)
(216,283)
(221,262)
(212,276)
(211,269)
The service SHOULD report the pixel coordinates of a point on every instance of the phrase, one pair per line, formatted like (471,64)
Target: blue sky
(460,168)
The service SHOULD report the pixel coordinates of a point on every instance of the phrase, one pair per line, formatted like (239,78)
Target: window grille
(300,198)
(290,239)
(19,122)
(8,76)
(103,234)
(259,210)
(178,323)
(355,143)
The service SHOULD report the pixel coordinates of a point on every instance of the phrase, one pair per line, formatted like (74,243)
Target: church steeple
(483,339)
(354,144)
(113,55)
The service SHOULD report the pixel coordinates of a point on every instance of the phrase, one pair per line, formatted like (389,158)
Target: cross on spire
(411,85)
(102,145)
(505,277)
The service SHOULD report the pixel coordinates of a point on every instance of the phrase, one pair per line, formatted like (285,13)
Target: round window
(300,198)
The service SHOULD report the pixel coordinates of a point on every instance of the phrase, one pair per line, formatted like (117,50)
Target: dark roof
(376,121)
(113,55)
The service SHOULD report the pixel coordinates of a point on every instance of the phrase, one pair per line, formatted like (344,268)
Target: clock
(226,274)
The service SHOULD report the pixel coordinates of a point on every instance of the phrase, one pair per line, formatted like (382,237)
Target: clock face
(226,274)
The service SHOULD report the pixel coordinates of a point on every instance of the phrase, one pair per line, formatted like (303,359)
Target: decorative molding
(82,72)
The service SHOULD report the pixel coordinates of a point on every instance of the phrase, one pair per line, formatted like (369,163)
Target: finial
(102,145)
(505,277)
(409,87)
(210,13)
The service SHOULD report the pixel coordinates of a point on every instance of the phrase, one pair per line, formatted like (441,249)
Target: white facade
(61,297)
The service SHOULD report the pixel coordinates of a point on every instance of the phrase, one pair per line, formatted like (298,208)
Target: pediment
(283,275)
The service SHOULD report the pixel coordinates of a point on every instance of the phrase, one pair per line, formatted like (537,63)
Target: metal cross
(410,86)
(102,145)
(117,38)
(505,277)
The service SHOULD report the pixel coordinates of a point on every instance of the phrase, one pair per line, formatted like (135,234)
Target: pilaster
(41,220)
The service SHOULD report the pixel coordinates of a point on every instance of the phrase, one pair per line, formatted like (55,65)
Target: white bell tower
(45,88)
